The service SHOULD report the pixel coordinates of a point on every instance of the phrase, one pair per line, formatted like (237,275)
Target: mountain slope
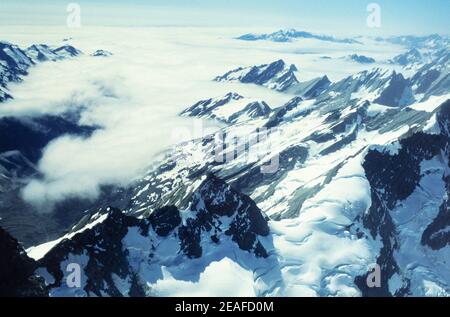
(119,253)
(276,75)
(231,108)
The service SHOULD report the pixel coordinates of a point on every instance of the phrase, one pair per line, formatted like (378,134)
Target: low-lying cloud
(134,97)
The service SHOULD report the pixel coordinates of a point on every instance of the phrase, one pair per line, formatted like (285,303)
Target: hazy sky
(339,16)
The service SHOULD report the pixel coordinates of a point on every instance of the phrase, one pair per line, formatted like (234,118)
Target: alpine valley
(356,174)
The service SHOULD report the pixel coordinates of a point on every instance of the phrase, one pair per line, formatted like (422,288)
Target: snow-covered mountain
(305,200)
(377,85)
(409,58)
(42,52)
(292,34)
(362,59)
(119,253)
(312,88)
(14,62)
(277,75)
(433,78)
(231,108)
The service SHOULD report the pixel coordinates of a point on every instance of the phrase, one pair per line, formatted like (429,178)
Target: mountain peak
(276,75)
(231,108)
(293,34)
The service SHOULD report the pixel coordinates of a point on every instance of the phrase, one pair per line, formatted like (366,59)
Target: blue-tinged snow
(427,269)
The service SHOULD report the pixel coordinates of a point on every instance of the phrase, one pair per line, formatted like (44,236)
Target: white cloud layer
(135,95)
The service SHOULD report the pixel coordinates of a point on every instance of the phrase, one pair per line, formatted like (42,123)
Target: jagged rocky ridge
(292,34)
(420,164)
(15,62)
(231,108)
(276,75)
(113,247)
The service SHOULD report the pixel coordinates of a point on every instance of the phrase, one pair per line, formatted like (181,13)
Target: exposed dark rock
(313,88)
(437,234)
(397,93)
(279,114)
(165,220)
(215,199)
(16,270)
(393,178)
(277,73)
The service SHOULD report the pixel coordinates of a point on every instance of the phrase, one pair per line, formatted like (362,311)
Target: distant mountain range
(361,59)
(433,41)
(292,34)
(276,75)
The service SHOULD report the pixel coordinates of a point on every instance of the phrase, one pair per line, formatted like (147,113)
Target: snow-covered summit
(231,108)
(277,75)
(15,62)
(293,34)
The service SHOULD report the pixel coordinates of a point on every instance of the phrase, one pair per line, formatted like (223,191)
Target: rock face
(433,78)
(276,75)
(379,86)
(67,51)
(42,52)
(361,59)
(105,244)
(231,108)
(16,270)
(285,112)
(215,199)
(397,92)
(394,179)
(14,62)
(313,88)
(436,235)
(165,220)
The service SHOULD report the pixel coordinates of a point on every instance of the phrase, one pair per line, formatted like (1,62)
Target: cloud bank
(134,97)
